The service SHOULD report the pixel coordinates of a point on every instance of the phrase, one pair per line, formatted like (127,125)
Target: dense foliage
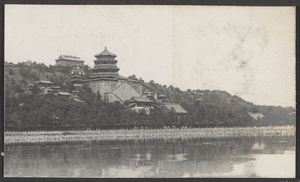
(49,112)
(28,110)
(219,108)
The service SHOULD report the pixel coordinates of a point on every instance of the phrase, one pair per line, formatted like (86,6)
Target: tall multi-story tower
(105,79)
(105,66)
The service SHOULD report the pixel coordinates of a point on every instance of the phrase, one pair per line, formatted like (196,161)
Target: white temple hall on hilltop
(74,62)
(105,79)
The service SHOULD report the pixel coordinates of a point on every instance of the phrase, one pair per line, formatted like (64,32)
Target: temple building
(141,103)
(177,109)
(168,107)
(105,66)
(112,87)
(105,79)
(72,61)
(75,63)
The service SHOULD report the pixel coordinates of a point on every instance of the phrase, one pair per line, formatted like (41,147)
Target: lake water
(227,157)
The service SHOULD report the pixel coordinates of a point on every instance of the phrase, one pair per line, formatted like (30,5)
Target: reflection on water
(228,157)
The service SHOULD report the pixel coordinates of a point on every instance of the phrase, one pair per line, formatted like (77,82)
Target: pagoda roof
(133,80)
(70,58)
(44,82)
(64,93)
(140,99)
(177,108)
(99,78)
(122,78)
(105,53)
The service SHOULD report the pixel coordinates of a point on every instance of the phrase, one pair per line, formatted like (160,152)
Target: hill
(19,76)
(216,107)
(29,110)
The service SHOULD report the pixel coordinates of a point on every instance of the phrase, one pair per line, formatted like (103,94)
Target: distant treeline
(25,110)
(216,107)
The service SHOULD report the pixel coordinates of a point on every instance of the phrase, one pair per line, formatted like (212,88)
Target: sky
(246,51)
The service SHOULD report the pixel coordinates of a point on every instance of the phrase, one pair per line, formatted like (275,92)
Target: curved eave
(105,55)
(101,79)
(100,61)
(132,80)
(112,70)
(69,60)
(105,66)
(105,74)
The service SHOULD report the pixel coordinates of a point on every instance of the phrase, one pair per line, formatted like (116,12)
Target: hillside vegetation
(28,110)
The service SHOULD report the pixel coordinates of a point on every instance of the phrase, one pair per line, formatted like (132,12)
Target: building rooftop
(122,78)
(70,58)
(64,93)
(45,82)
(140,99)
(161,96)
(177,108)
(105,53)
(256,115)
(56,87)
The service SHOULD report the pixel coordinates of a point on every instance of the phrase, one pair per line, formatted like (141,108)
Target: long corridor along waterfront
(262,156)
(124,134)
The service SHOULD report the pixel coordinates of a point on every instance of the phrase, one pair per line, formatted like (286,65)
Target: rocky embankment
(123,134)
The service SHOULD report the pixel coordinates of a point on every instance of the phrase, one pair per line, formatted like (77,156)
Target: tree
(171,88)
(17,88)
(69,87)
(141,79)
(11,71)
(133,77)
(13,121)
(98,96)
(36,90)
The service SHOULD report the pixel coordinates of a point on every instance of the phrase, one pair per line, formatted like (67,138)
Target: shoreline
(123,134)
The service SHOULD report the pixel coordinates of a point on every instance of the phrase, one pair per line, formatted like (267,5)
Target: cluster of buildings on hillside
(48,88)
(112,87)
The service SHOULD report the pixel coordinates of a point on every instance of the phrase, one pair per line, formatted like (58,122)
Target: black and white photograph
(149,91)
